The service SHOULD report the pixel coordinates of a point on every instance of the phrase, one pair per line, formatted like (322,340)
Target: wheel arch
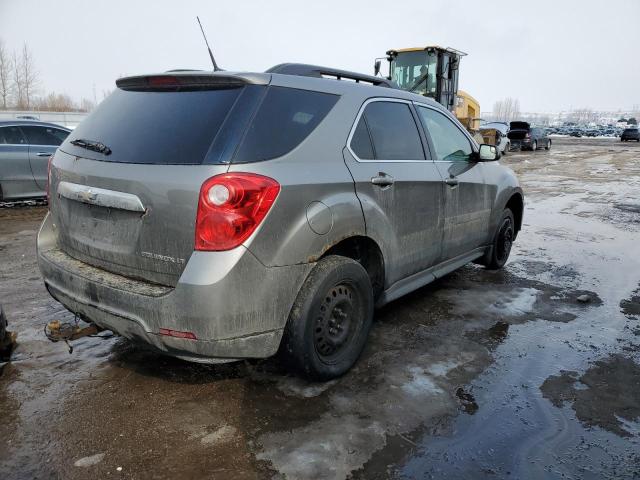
(365,251)
(516,205)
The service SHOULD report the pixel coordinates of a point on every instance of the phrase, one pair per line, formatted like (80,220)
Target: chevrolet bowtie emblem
(87,195)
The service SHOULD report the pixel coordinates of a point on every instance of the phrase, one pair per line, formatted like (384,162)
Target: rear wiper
(92,145)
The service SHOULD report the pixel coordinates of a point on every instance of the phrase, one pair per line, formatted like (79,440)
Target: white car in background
(495,133)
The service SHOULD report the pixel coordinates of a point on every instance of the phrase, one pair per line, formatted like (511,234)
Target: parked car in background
(25,147)
(525,137)
(630,134)
(495,133)
(278,212)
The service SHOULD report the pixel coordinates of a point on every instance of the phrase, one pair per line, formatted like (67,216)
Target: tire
(500,249)
(330,319)
(506,149)
(534,146)
(548,147)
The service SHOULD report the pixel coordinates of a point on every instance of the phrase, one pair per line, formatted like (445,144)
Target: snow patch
(89,461)
(420,383)
(297,387)
(520,303)
(221,435)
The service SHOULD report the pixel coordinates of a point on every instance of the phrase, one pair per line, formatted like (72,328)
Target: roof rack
(304,70)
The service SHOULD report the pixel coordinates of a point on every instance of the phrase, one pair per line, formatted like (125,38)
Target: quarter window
(450,143)
(394,132)
(11,136)
(361,141)
(286,117)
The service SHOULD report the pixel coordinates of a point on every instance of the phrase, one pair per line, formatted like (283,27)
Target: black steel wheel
(330,319)
(335,323)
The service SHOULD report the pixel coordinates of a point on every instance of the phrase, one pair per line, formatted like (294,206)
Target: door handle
(452,182)
(382,180)
(43,154)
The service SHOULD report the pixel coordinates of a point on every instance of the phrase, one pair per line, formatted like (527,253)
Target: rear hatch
(125,183)
(518,130)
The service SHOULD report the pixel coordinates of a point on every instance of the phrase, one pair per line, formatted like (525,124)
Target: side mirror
(488,153)
(376,68)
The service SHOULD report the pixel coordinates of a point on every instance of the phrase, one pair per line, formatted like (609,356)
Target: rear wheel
(330,319)
(506,149)
(534,145)
(503,240)
(548,147)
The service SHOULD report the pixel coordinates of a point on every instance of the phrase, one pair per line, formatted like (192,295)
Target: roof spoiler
(305,70)
(180,81)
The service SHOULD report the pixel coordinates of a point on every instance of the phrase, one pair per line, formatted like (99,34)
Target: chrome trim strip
(100,197)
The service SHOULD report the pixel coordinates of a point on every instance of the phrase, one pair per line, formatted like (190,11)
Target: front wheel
(330,319)
(503,240)
(548,147)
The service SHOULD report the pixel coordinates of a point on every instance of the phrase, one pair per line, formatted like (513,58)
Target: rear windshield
(154,127)
(243,124)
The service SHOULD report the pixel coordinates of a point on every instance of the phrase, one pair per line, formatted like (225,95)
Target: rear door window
(393,130)
(37,135)
(449,141)
(284,119)
(11,136)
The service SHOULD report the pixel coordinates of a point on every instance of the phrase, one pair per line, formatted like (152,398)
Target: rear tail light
(526,135)
(230,208)
(48,190)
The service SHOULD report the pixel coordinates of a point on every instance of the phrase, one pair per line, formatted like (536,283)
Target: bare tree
(86,105)
(18,84)
(506,109)
(583,115)
(29,76)
(55,102)
(5,76)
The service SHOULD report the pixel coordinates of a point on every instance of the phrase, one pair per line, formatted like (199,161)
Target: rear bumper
(519,144)
(234,305)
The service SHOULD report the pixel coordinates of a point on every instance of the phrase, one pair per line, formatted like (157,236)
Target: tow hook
(66,332)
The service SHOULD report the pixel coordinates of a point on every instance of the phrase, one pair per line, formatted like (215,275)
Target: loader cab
(430,71)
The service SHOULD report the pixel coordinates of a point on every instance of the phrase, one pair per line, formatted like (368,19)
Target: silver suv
(219,216)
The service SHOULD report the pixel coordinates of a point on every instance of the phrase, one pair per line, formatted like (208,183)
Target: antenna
(213,60)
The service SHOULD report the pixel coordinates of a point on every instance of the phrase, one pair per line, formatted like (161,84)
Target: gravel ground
(479,375)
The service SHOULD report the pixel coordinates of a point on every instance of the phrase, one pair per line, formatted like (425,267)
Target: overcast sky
(551,55)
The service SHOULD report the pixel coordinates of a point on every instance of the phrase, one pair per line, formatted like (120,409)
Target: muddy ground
(479,375)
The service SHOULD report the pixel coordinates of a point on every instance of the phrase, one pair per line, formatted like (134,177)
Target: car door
(467,197)
(401,192)
(16,179)
(43,142)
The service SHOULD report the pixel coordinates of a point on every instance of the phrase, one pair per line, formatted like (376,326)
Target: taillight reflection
(48,190)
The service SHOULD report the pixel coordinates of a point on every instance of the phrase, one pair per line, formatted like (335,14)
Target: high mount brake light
(163,81)
(179,82)
(230,208)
